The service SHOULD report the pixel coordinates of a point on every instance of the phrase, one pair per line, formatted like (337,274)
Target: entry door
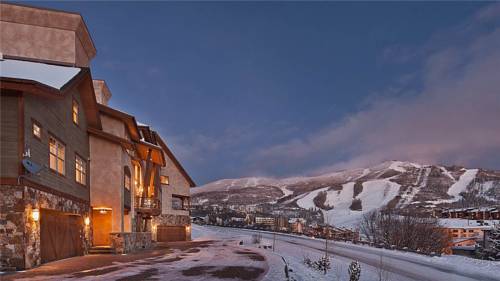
(59,235)
(170,233)
(101,222)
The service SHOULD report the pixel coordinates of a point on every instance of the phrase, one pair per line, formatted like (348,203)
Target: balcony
(148,205)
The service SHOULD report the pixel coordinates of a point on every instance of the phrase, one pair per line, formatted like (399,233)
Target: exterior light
(103,211)
(86,221)
(188,228)
(35,214)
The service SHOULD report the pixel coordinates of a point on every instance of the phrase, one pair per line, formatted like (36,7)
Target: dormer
(44,35)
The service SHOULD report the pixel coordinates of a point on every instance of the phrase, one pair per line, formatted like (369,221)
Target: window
(56,155)
(37,130)
(138,179)
(75,112)
(80,170)
(164,180)
(127,179)
(177,203)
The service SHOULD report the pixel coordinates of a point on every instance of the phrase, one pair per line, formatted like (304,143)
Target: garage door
(170,233)
(59,235)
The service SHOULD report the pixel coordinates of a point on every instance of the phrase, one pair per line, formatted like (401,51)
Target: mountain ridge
(346,195)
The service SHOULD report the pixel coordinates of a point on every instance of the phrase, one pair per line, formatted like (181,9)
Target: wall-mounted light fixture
(188,228)
(86,220)
(35,214)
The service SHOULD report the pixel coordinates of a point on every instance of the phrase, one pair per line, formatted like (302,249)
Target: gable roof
(16,76)
(174,159)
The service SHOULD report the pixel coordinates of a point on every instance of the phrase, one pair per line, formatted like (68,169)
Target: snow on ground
(307,202)
(400,266)
(293,254)
(462,183)
(375,194)
(421,182)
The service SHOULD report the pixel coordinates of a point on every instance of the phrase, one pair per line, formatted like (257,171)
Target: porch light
(35,214)
(86,221)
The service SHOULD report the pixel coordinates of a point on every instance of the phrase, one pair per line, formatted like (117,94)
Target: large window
(56,155)
(127,180)
(177,203)
(164,180)
(138,179)
(80,170)
(75,111)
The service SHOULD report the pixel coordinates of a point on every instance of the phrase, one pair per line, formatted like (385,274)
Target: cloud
(454,118)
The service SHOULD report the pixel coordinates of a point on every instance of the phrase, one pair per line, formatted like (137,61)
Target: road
(411,266)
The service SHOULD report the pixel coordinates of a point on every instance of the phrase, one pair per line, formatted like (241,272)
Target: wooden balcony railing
(148,205)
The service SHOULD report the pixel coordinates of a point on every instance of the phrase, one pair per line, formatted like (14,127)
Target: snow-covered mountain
(345,196)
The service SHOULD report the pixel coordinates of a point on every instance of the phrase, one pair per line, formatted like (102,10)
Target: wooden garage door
(170,233)
(59,235)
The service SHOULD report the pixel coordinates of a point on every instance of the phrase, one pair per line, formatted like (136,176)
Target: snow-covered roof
(463,223)
(54,76)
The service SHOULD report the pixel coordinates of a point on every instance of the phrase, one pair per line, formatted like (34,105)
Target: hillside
(344,196)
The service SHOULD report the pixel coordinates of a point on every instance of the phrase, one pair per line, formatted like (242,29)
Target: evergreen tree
(354,271)
(492,249)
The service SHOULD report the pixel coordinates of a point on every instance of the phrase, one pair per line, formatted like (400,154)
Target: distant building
(465,233)
(264,221)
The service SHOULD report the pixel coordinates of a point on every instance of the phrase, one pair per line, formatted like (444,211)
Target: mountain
(344,196)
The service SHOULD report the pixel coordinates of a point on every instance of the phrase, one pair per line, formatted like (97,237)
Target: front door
(101,224)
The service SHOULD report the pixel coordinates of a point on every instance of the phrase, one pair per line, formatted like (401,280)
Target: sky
(301,88)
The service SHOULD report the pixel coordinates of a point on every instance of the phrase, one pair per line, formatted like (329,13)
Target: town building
(465,233)
(47,107)
(268,221)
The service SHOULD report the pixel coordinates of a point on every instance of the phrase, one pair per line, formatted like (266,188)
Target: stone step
(101,250)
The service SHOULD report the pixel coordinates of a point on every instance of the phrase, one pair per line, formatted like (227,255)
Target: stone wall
(126,242)
(171,220)
(20,234)
(11,227)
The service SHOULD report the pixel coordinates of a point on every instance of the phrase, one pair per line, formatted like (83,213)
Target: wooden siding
(9,134)
(55,117)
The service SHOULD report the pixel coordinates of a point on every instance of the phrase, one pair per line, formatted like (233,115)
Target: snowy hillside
(344,196)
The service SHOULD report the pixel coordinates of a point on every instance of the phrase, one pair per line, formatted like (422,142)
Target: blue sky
(277,89)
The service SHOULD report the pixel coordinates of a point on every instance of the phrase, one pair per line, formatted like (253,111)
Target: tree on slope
(492,249)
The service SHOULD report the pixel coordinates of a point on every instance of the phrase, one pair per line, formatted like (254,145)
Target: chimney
(102,92)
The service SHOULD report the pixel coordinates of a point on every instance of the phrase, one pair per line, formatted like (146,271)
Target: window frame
(58,159)
(73,104)
(33,124)
(164,177)
(83,171)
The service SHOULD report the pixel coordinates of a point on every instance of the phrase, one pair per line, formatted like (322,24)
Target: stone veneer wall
(126,242)
(19,234)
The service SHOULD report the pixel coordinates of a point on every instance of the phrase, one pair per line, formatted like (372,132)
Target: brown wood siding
(9,134)
(55,116)
(170,233)
(59,235)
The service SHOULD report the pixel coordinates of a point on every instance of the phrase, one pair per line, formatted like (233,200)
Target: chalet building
(173,223)
(123,193)
(75,173)
(47,106)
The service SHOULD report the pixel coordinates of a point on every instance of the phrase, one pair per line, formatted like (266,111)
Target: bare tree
(390,229)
